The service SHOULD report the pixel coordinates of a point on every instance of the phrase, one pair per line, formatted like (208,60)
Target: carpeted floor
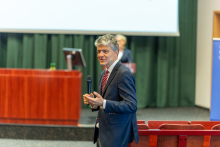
(180,113)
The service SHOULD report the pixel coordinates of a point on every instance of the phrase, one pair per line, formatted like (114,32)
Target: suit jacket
(117,122)
(126,57)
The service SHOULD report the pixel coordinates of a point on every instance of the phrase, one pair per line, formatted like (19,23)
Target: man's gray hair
(108,40)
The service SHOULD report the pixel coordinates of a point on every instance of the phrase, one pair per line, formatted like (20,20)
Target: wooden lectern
(29,96)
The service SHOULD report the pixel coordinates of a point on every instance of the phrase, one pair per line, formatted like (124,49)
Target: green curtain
(165,66)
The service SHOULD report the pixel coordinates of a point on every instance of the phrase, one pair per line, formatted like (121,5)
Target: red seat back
(215,140)
(173,140)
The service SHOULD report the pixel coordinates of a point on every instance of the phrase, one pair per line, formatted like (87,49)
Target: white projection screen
(128,17)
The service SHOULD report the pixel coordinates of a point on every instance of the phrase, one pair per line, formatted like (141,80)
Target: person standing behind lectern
(115,101)
(124,54)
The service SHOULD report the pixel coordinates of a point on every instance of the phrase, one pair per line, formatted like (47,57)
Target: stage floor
(181,113)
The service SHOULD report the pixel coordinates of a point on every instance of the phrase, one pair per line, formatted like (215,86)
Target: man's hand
(98,101)
(86,100)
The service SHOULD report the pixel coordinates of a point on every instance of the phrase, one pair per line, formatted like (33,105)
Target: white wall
(205,12)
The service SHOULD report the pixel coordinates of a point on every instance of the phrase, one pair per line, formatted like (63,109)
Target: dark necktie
(104,80)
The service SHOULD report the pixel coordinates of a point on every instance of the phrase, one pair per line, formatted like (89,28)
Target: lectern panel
(40,96)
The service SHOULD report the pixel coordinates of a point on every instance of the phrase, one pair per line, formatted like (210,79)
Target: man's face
(121,43)
(106,55)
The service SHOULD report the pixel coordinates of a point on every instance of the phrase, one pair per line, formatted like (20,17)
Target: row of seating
(195,140)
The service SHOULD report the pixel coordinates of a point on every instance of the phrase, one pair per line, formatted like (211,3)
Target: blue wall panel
(215,101)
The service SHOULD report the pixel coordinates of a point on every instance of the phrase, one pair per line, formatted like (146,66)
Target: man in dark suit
(116,101)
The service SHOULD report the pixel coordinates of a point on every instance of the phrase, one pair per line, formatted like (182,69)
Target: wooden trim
(216,24)
(178,132)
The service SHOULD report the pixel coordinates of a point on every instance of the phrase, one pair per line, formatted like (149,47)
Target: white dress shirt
(120,54)
(110,70)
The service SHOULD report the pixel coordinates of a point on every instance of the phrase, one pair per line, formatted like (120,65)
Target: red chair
(143,139)
(208,126)
(154,124)
(215,140)
(175,141)
(140,121)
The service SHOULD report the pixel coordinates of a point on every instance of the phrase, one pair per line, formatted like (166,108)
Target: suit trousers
(98,143)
